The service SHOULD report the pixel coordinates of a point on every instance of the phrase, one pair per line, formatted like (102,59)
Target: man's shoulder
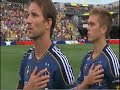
(58,55)
(56,52)
(88,54)
(64,66)
(28,52)
(109,53)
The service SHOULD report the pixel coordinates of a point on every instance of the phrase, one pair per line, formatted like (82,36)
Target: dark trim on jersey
(40,58)
(113,60)
(65,68)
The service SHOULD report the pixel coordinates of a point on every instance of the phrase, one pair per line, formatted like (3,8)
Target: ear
(104,29)
(49,23)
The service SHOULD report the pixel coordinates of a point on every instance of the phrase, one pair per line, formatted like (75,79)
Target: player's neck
(98,46)
(41,46)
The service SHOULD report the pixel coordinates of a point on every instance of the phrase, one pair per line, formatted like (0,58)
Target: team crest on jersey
(27,71)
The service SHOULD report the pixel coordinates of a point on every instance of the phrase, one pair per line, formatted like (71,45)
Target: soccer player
(44,66)
(99,24)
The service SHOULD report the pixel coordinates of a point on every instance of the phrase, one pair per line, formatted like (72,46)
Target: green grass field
(11,56)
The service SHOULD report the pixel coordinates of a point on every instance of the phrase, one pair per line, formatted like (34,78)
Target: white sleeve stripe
(63,64)
(66,62)
(115,59)
(68,66)
(70,70)
(63,59)
(116,63)
(114,56)
(112,61)
(64,67)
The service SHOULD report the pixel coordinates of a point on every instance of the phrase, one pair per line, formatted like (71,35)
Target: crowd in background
(112,8)
(13,18)
(13,23)
(78,9)
(65,28)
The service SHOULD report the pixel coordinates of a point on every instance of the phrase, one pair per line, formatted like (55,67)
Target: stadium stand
(71,20)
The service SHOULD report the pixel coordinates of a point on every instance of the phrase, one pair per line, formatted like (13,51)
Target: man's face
(36,22)
(94,29)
